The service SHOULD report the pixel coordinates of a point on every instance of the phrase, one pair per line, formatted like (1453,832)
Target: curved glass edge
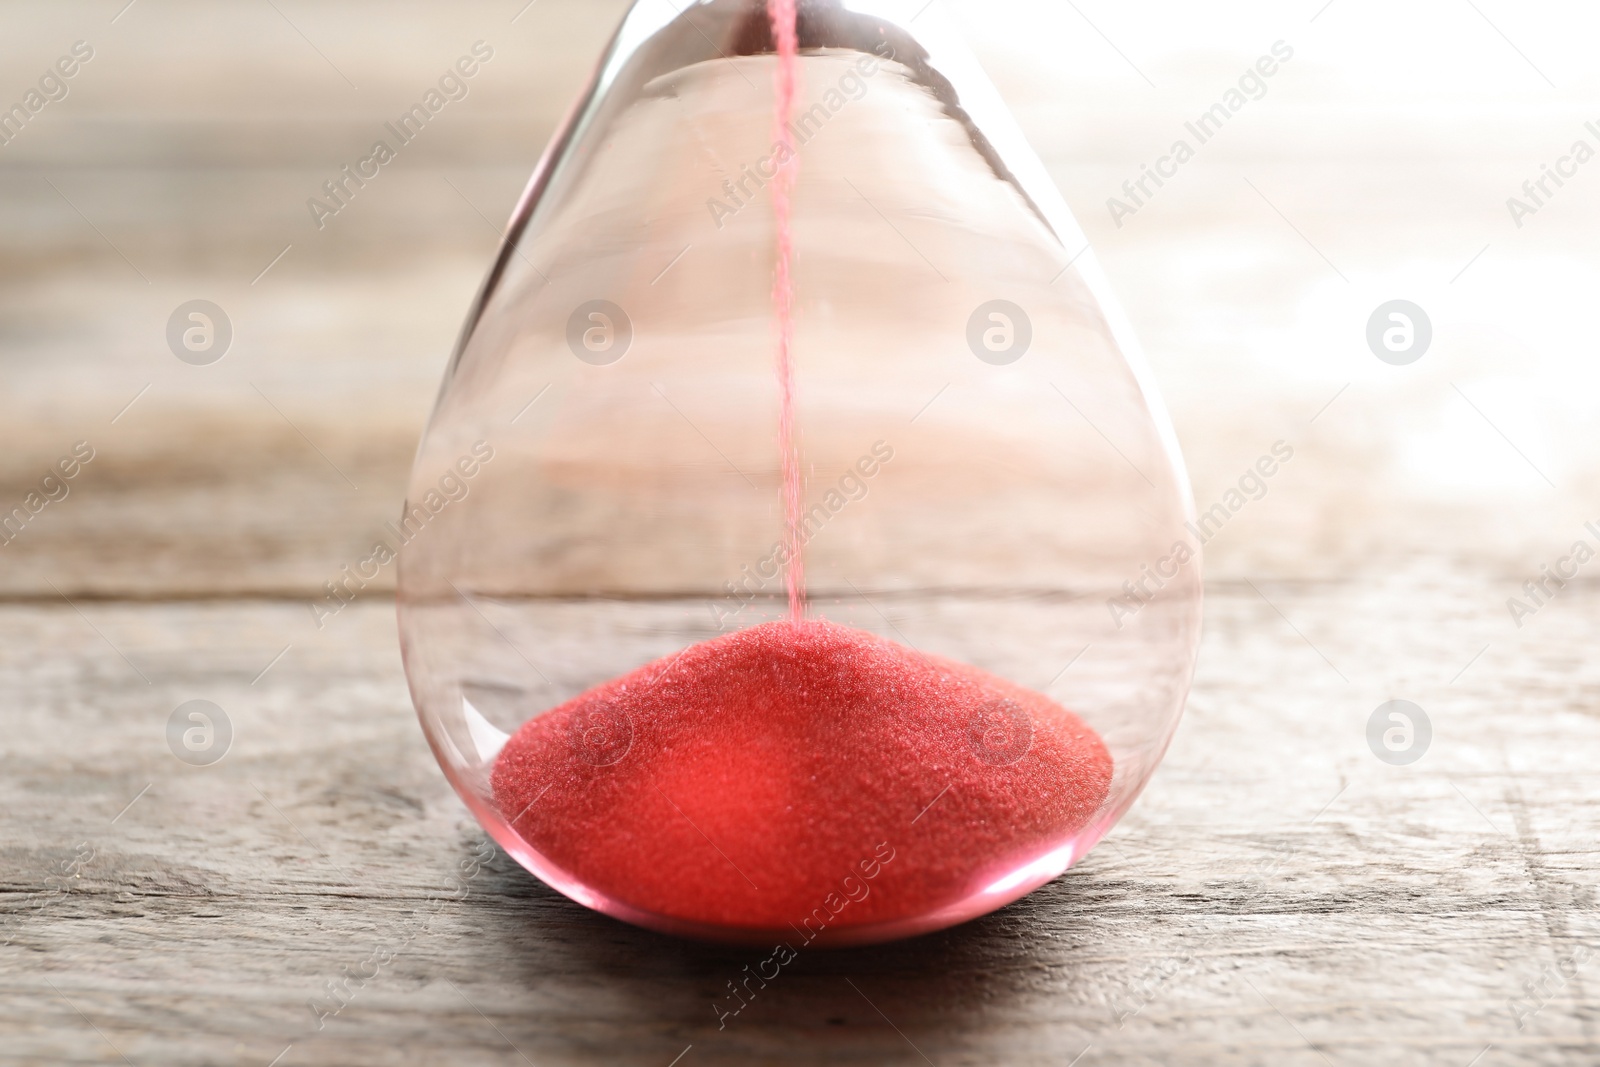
(949,54)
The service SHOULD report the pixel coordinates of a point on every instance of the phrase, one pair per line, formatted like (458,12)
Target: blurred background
(1409,911)
(1376,167)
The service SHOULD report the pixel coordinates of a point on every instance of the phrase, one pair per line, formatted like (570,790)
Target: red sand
(798,774)
(752,779)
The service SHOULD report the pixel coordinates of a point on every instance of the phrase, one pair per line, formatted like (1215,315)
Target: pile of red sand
(740,783)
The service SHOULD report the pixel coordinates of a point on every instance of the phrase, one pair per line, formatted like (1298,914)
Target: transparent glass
(996,512)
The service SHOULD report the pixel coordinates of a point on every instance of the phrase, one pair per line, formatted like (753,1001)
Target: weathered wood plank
(1279,896)
(1390,914)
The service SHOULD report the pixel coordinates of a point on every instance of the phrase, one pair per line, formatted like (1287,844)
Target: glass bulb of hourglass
(909,682)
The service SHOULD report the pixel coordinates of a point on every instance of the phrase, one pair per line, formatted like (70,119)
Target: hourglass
(798,549)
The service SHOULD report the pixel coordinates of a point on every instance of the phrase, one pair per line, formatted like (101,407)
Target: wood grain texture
(1279,896)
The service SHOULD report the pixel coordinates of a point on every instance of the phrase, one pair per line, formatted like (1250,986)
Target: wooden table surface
(1280,895)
